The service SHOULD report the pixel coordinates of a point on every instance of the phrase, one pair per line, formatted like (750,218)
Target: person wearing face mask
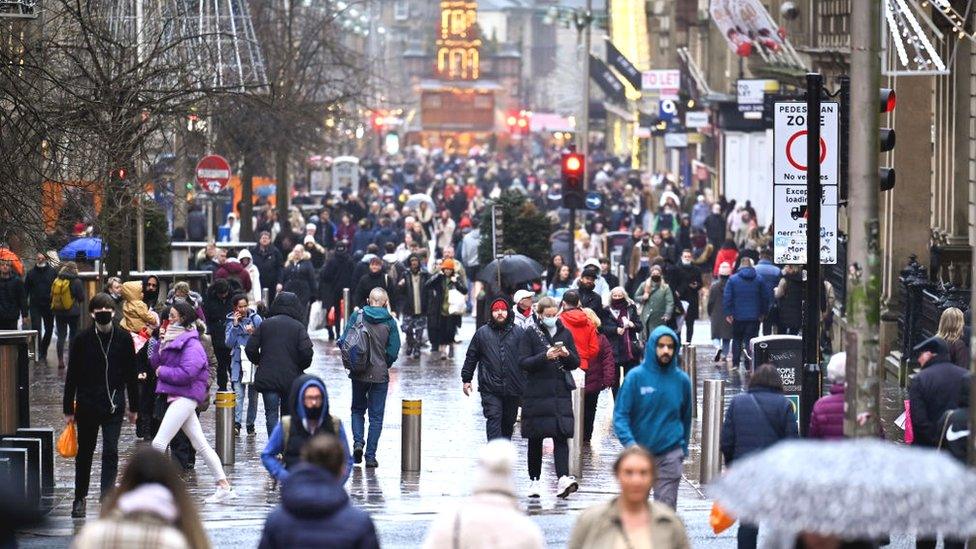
(721,327)
(689,288)
(656,299)
(66,295)
(653,409)
(548,353)
(101,369)
(626,339)
(38,287)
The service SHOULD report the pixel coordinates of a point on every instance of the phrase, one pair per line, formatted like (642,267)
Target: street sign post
(213,173)
(790,167)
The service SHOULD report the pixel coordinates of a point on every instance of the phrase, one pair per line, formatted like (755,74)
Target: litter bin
(17,349)
(786,353)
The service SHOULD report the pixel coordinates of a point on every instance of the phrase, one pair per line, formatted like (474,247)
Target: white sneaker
(222,495)
(566,486)
(534,491)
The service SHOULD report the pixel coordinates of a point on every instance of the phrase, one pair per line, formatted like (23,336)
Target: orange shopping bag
(68,441)
(719,519)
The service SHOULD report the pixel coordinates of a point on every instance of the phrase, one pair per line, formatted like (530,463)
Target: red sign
(213,173)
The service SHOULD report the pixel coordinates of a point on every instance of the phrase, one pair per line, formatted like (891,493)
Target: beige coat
(597,528)
(485,520)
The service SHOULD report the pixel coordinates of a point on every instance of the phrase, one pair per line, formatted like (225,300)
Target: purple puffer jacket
(827,419)
(182,367)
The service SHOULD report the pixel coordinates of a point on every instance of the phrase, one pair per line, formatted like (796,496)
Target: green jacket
(659,304)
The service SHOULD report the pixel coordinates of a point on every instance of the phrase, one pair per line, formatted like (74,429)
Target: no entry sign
(213,173)
(790,143)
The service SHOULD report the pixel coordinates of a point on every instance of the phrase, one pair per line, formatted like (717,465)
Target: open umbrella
(7,254)
(852,489)
(90,247)
(415,199)
(516,269)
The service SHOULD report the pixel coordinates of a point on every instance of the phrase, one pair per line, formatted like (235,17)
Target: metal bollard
(576,443)
(621,274)
(713,409)
(226,400)
(345,306)
(265,293)
(410,435)
(689,363)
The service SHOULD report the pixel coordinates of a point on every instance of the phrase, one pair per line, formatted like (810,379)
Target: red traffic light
(888,100)
(572,164)
(118,173)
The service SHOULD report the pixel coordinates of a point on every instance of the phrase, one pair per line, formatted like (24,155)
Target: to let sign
(213,173)
(658,80)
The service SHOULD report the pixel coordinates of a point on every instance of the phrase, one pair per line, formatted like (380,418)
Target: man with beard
(589,298)
(494,351)
(413,304)
(653,410)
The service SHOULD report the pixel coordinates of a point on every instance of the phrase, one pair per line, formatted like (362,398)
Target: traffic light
(886,139)
(574,185)
(118,174)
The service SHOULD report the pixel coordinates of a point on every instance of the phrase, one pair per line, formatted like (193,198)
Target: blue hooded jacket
(746,297)
(315,512)
(298,412)
(654,404)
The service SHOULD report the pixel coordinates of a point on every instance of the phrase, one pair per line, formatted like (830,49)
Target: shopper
(827,418)
(933,390)
(241,322)
(490,518)
(494,352)
(38,286)
(315,510)
(101,369)
(67,293)
(653,409)
(952,326)
(601,374)
(754,421)
(150,509)
(441,324)
(181,369)
(721,327)
(657,302)
(745,302)
(414,298)
(282,349)
(369,387)
(217,306)
(630,520)
(626,339)
(548,356)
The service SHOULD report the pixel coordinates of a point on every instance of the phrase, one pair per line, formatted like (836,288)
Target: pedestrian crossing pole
(810,385)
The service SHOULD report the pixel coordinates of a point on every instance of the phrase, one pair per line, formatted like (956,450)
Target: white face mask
(549,322)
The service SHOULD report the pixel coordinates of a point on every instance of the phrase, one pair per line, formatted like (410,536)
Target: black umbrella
(515,270)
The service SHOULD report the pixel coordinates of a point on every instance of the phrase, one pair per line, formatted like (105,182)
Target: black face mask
(724,277)
(103,317)
(314,413)
(656,278)
(618,302)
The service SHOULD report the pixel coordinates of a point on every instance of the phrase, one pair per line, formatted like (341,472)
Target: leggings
(560,457)
(181,414)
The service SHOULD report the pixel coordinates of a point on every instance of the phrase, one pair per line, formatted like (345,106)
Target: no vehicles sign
(790,143)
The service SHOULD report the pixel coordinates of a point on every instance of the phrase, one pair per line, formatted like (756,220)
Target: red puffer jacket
(827,419)
(602,372)
(584,335)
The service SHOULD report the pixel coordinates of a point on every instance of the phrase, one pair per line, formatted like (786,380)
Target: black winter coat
(715,229)
(368,282)
(336,275)
(280,346)
(85,380)
(934,390)
(589,299)
(791,304)
(547,406)
(619,342)
(689,284)
(38,285)
(13,297)
(406,294)
(756,420)
(216,311)
(494,351)
(299,279)
(269,263)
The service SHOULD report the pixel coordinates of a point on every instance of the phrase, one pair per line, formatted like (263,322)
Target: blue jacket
(756,420)
(654,404)
(235,337)
(276,442)
(769,274)
(315,512)
(745,296)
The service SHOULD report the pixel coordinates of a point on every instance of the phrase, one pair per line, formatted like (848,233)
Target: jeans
(252,403)
(560,457)
(724,346)
(500,414)
(742,332)
(182,416)
(88,423)
(64,324)
(668,478)
(371,397)
(42,316)
(273,403)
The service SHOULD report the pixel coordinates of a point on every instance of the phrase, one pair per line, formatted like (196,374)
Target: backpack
(61,298)
(354,347)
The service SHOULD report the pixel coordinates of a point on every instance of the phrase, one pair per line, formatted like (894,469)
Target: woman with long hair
(298,277)
(952,324)
(630,519)
(625,340)
(552,270)
(561,283)
(182,375)
(150,509)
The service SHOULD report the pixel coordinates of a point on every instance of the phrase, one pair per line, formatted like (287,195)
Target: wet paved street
(402,505)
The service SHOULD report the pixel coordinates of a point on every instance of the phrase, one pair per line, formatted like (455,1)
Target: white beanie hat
(495,462)
(837,368)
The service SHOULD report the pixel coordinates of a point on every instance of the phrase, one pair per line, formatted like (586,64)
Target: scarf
(620,311)
(173,331)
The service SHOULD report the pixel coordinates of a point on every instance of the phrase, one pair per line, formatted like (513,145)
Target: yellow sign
(458,55)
